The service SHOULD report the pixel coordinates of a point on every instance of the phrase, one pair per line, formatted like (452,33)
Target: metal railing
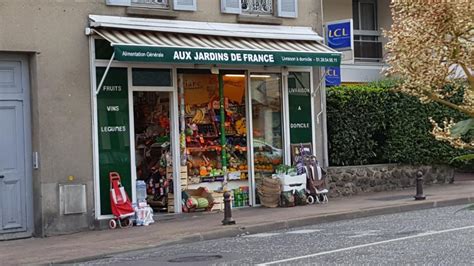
(257,6)
(151,3)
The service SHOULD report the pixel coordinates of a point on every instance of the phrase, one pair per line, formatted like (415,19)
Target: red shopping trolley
(120,203)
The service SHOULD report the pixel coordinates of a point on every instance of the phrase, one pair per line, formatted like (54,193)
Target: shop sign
(333,76)
(214,56)
(340,35)
(299,100)
(113,132)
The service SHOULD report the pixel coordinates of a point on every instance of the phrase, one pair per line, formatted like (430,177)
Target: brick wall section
(352,180)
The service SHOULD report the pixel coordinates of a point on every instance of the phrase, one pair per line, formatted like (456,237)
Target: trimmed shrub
(371,124)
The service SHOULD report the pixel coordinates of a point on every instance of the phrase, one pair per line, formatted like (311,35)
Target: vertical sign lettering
(114,132)
(299,100)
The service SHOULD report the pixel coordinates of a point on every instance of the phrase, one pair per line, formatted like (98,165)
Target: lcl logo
(338,33)
(331,72)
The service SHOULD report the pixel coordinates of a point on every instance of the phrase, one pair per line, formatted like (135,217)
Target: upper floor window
(151,3)
(367,43)
(279,8)
(185,5)
(257,6)
(364,14)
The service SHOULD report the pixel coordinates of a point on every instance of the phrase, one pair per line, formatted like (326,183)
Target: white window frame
(374,2)
(177,6)
(283,14)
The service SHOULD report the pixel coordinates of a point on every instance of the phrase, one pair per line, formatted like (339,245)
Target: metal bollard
(227,211)
(419,186)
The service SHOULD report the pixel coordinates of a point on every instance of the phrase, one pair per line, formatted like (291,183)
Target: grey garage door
(14,144)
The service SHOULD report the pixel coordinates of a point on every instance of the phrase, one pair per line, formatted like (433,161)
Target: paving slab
(193,227)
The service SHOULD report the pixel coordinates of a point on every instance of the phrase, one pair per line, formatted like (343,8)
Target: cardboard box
(218,206)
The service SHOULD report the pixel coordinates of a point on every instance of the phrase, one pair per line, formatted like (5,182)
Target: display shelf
(218,185)
(217,178)
(235,180)
(265,171)
(204,176)
(212,179)
(201,149)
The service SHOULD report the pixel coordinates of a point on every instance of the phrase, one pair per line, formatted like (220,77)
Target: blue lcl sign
(339,34)
(333,76)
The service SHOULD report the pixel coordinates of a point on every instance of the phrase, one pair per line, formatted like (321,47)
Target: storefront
(183,105)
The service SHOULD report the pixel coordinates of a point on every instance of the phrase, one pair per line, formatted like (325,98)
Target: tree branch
(437,99)
(470,77)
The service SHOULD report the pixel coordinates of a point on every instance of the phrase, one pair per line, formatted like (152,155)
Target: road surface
(441,236)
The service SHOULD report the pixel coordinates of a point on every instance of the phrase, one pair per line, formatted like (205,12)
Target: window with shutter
(187,5)
(287,8)
(231,6)
(118,2)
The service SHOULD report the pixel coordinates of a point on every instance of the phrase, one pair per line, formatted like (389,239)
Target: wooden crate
(218,201)
(170,202)
(183,175)
(218,206)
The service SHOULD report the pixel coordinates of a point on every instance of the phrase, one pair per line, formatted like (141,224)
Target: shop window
(214,138)
(266,124)
(151,77)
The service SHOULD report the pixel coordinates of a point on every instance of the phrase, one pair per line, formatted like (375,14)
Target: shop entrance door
(153,129)
(14,172)
(266,127)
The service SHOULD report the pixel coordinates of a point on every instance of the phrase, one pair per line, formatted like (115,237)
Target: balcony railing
(151,3)
(367,46)
(257,6)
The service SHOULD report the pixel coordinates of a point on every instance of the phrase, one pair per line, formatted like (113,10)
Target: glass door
(214,132)
(267,120)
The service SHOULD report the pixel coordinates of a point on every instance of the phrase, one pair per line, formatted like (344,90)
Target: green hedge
(370,124)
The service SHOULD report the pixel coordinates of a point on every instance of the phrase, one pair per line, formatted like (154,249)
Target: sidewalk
(204,226)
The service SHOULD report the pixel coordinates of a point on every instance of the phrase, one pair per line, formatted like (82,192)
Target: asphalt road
(441,236)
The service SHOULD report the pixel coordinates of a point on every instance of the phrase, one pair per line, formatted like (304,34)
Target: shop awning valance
(151,44)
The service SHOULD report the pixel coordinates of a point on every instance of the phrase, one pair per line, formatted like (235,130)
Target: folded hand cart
(120,203)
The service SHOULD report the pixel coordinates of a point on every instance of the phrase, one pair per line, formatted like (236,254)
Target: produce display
(195,199)
(203,143)
(213,139)
(266,163)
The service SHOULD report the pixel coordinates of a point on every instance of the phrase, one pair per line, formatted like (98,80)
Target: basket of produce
(197,200)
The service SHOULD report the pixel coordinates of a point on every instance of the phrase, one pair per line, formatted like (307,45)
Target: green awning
(171,47)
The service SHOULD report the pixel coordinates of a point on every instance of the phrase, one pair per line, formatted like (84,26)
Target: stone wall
(351,180)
